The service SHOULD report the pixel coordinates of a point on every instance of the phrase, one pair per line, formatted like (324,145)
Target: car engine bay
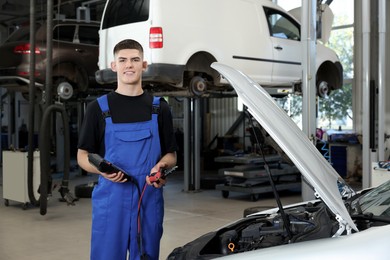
(306,222)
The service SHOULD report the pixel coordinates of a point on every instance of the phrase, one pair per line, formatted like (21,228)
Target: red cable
(139,208)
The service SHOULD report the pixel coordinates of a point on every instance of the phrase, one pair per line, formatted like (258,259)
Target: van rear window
(120,12)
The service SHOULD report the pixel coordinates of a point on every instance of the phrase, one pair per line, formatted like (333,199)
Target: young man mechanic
(134,131)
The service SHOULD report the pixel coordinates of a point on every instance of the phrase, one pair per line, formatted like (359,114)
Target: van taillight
(25,49)
(156,38)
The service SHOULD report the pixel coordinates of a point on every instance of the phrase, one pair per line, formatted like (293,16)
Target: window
(89,35)
(21,34)
(64,33)
(282,26)
(120,12)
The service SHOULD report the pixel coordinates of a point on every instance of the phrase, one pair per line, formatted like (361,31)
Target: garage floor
(64,232)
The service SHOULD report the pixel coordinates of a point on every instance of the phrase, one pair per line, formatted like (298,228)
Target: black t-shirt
(125,109)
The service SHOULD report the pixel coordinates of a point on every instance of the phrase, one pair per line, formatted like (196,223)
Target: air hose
(44,147)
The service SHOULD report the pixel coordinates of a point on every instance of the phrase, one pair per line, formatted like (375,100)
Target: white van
(181,38)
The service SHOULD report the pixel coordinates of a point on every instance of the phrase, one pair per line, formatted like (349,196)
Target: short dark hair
(128,44)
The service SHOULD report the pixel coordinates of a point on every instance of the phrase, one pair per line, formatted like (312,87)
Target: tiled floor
(64,232)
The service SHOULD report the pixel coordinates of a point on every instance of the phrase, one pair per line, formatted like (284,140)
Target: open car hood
(325,24)
(317,171)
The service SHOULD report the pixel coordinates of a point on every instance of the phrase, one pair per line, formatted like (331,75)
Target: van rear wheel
(323,89)
(198,86)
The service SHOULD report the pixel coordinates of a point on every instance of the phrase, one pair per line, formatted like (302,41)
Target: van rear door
(123,19)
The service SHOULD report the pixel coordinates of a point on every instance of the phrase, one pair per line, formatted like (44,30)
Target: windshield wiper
(370,216)
(358,207)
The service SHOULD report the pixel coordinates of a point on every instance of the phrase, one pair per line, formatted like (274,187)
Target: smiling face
(129,65)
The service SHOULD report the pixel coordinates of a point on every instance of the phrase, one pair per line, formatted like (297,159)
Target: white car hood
(310,162)
(326,20)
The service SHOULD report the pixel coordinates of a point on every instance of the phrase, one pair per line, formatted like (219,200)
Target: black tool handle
(106,166)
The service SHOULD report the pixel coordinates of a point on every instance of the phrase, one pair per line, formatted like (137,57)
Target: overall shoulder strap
(156,105)
(103,103)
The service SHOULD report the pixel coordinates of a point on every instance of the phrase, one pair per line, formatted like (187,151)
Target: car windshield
(376,202)
(21,34)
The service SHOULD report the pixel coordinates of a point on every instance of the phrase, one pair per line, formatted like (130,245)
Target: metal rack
(251,177)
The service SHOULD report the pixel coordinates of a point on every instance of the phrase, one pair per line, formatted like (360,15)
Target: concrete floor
(64,232)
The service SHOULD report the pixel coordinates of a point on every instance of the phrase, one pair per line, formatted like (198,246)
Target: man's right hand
(114,177)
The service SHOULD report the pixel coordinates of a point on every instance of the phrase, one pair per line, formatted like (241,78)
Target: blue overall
(135,148)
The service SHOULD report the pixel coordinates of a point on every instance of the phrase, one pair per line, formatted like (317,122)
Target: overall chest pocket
(134,146)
